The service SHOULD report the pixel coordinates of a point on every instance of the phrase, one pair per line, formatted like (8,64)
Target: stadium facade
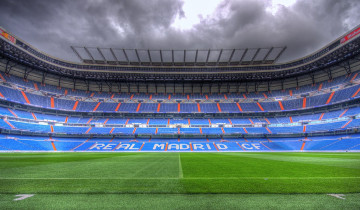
(172,100)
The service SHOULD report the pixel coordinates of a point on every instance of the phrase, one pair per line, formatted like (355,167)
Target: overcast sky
(304,26)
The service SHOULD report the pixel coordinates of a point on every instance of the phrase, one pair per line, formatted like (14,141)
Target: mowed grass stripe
(304,158)
(181,201)
(256,165)
(90,166)
(175,173)
(265,178)
(179,186)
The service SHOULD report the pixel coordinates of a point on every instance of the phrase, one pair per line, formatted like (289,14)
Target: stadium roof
(204,65)
(142,57)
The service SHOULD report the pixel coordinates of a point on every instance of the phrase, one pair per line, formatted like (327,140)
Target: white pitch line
(192,178)
(181,174)
(23,196)
(340,196)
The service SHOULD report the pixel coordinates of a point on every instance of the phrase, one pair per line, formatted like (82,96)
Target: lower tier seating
(18,114)
(69,129)
(325,143)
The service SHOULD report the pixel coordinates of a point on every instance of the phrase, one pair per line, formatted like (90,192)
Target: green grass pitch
(180,180)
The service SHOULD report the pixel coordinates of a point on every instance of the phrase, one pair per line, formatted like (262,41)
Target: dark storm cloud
(304,27)
(53,26)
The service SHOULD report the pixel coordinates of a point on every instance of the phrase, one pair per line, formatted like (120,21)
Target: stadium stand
(24,143)
(311,104)
(43,99)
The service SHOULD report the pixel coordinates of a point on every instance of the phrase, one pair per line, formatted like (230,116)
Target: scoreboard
(7,36)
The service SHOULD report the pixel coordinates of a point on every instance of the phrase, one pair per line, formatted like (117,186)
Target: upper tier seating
(316,98)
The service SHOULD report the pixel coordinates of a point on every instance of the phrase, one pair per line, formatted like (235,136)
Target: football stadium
(176,129)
